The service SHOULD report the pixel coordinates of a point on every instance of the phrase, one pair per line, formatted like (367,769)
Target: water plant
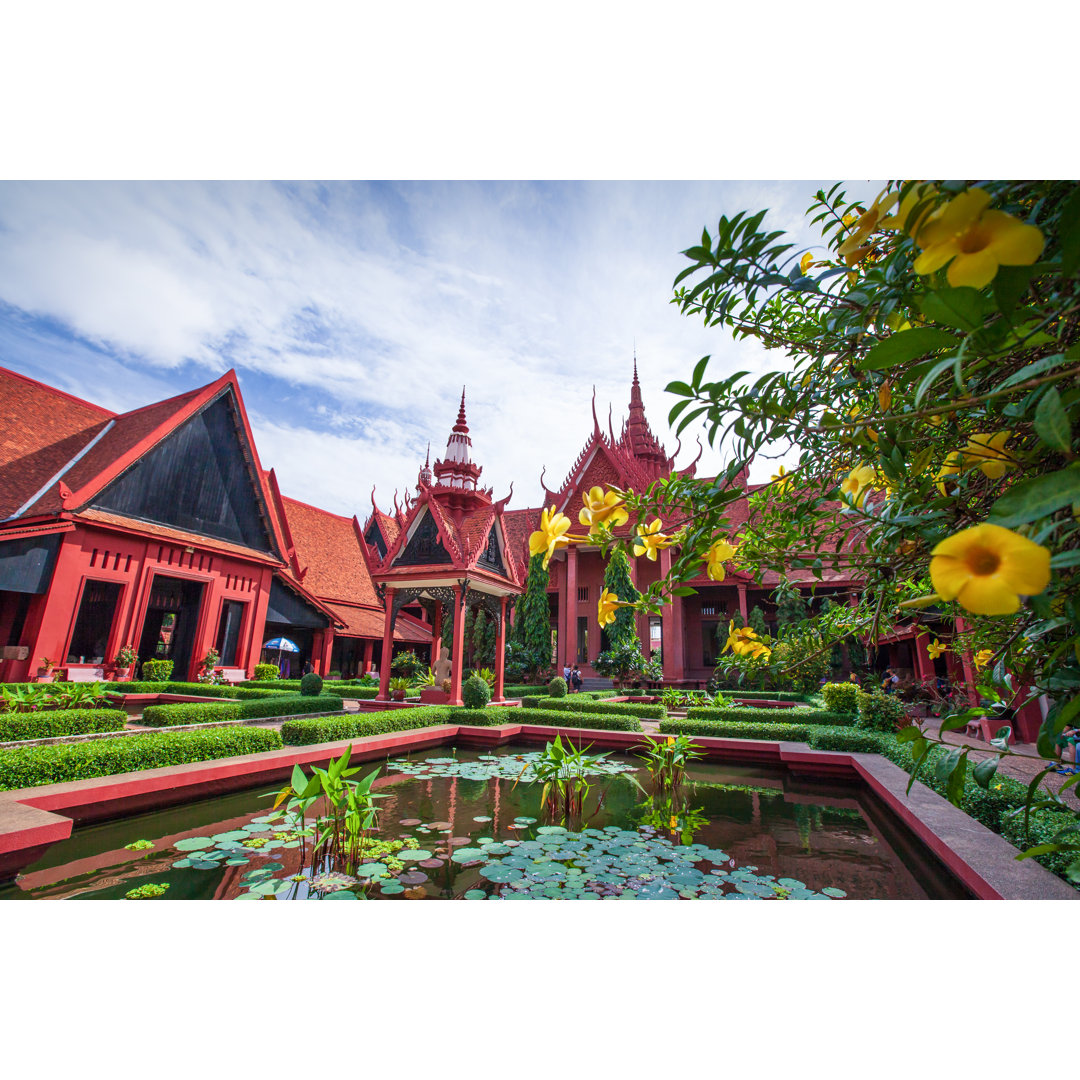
(563,770)
(148,891)
(139,845)
(666,761)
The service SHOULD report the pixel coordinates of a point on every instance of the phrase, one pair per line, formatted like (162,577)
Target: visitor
(309,667)
(566,673)
(1066,745)
(890,682)
(576,679)
(853,678)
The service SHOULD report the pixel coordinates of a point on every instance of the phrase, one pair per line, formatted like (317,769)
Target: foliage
(487,675)
(139,845)
(188,712)
(156,670)
(407,664)
(126,657)
(532,622)
(207,674)
(623,662)
(149,891)
(801,656)
(311,685)
(623,631)
(400,684)
(748,714)
(293,705)
(581,704)
(666,761)
(475,693)
(756,622)
(563,770)
(359,725)
(841,697)
(33,765)
(791,606)
(550,717)
(482,639)
(54,725)
(879,712)
(557,687)
(732,730)
(35,697)
(46,664)
(266,672)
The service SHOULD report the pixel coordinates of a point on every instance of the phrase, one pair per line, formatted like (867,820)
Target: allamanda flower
(953,466)
(739,640)
(975,241)
(552,535)
(858,482)
(988,453)
(609,604)
(935,649)
(986,569)
(982,658)
(718,554)
(650,540)
(805,263)
(602,509)
(855,248)
(781,480)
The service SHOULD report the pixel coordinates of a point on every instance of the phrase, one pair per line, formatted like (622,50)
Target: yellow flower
(609,603)
(953,467)
(857,484)
(982,658)
(602,509)
(759,651)
(986,569)
(855,248)
(650,540)
(551,535)
(935,649)
(673,823)
(782,480)
(741,640)
(989,454)
(975,241)
(903,219)
(805,263)
(719,554)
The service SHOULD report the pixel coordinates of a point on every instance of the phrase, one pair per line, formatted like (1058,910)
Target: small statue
(442,667)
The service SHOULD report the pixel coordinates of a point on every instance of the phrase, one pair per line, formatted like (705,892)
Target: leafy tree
(617,580)
(756,621)
(532,622)
(791,607)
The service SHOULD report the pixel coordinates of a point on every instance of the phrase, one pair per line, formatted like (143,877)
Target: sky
(355,313)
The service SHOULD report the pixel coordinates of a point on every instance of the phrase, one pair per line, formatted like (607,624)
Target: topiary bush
(335,728)
(189,712)
(879,712)
(292,706)
(476,693)
(311,685)
(156,670)
(266,671)
(557,687)
(31,766)
(841,696)
(55,724)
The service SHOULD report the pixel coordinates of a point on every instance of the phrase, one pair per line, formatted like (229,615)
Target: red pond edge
(32,819)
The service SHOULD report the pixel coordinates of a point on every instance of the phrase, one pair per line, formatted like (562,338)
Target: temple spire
(461,426)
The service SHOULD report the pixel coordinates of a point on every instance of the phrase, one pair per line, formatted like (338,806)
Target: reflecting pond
(462,824)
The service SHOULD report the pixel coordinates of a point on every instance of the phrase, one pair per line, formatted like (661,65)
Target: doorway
(172,617)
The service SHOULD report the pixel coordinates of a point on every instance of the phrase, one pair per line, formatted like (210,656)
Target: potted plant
(399,687)
(124,662)
(45,670)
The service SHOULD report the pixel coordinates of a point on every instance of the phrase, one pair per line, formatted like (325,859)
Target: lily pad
(390,888)
(409,822)
(482,818)
(414,855)
(835,893)
(476,894)
(235,834)
(341,894)
(194,843)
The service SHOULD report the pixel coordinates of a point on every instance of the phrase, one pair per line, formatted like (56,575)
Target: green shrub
(157,670)
(730,730)
(576,704)
(519,690)
(311,685)
(53,725)
(354,726)
(847,738)
(609,720)
(557,687)
(841,696)
(292,706)
(475,693)
(266,671)
(747,714)
(770,695)
(31,766)
(879,712)
(188,712)
(206,690)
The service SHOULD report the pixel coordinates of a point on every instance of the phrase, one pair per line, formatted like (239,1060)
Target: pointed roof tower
(637,435)
(456,474)
(426,477)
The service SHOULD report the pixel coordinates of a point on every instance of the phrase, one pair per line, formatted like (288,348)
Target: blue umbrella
(282,644)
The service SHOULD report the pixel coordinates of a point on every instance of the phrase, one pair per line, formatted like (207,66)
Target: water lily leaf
(194,843)
(835,893)
(476,894)
(341,894)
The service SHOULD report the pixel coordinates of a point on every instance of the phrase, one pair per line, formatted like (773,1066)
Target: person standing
(575,678)
(566,675)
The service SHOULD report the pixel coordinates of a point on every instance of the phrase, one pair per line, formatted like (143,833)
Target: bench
(231,674)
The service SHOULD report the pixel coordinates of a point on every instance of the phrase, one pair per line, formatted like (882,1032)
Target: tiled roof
(327,546)
(41,430)
(369,622)
(517,525)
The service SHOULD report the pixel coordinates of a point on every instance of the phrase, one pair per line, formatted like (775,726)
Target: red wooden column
(500,651)
(924,666)
(459,646)
(369,651)
(327,651)
(570,655)
(387,648)
(744,608)
(672,616)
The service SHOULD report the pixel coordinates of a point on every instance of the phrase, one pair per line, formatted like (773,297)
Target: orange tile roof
(41,430)
(369,623)
(326,545)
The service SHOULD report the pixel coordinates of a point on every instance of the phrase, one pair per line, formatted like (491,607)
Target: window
(90,640)
(708,609)
(710,647)
(583,594)
(232,616)
(582,640)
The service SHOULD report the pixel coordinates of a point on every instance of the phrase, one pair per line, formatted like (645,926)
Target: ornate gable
(425,546)
(491,557)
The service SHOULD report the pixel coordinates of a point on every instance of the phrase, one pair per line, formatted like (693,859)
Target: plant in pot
(399,687)
(124,662)
(45,670)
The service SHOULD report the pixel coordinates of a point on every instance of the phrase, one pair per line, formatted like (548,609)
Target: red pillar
(672,616)
(968,664)
(369,651)
(924,666)
(324,661)
(744,608)
(436,633)
(387,648)
(571,606)
(459,647)
(500,651)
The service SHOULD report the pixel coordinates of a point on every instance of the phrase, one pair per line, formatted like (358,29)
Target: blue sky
(354,313)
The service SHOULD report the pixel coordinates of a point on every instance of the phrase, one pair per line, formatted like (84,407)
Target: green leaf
(954,789)
(907,345)
(699,371)
(932,377)
(963,308)
(1069,234)
(1051,422)
(1010,283)
(984,771)
(1035,498)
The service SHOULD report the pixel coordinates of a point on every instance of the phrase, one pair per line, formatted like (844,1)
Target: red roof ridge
(61,393)
(318,509)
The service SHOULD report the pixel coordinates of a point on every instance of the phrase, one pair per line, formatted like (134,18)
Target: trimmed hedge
(210,690)
(292,706)
(31,766)
(358,725)
(347,689)
(605,720)
(719,729)
(747,714)
(54,724)
(574,704)
(770,695)
(188,712)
